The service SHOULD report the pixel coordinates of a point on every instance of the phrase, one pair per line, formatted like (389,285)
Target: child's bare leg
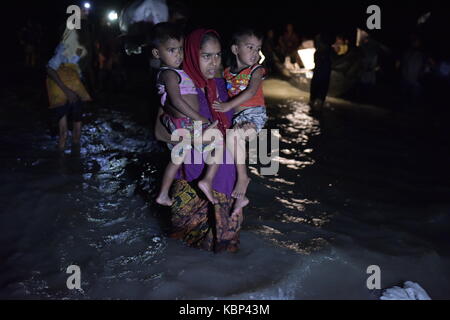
(213,165)
(242,182)
(206,183)
(236,144)
(62,133)
(169,175)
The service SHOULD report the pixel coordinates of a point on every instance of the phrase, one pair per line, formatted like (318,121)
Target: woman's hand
(212,126)
(205,120)
(222,106)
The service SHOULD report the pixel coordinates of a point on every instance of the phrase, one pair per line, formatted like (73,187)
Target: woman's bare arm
(71,95)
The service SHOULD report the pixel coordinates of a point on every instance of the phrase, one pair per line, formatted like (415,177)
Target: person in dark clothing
(412,67)
(370,50)
(29,38)
(289,42)
(269,51)
(322,72)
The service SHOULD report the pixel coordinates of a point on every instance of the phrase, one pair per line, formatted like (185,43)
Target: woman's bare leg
(213,165)
(206,183)
(236,144)
(62,133)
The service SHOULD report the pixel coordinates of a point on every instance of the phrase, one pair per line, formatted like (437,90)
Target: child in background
(244,82)
(179,100)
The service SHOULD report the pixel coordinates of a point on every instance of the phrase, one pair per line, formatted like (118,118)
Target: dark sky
(309,17)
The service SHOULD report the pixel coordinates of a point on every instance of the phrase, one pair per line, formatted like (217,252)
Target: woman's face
(210,58)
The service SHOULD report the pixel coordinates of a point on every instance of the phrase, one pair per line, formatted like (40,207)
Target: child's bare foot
(239,204)
(164,200)
(206,187)
(241,188)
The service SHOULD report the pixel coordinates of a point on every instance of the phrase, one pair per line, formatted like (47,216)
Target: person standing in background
(65,90)
(412,67)
(322,72)
(289,43)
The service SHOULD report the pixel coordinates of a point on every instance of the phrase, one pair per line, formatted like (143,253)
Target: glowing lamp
(112,16)
(307,57)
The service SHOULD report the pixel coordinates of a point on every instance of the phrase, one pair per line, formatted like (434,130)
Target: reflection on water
(296,132)
(86,204)
(309,232)
(305,247)
(287,211)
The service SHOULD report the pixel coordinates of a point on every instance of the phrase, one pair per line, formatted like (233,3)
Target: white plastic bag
(410,291)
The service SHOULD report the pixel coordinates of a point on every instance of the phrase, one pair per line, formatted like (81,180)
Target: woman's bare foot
(241,188)
(164,200)
(239,204)
(206,187)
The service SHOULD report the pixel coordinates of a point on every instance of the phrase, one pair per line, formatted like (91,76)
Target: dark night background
(362,182)
(308,17)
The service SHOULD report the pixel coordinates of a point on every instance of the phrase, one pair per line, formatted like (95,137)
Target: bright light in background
(307,57)
(112,16)
(87,5)
(262,57)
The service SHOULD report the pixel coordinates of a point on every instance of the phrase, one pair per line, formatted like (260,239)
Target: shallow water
(357,186)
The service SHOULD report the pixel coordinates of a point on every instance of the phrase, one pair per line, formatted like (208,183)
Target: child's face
(210,58)
(247,50)
(170,53)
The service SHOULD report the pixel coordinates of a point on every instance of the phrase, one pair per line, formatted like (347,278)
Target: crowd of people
(360,61)
(413,72)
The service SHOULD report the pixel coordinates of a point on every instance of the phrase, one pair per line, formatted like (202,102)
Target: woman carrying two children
(195,94)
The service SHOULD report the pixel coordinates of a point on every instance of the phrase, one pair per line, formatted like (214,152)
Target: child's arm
(247,94)
(170,80)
